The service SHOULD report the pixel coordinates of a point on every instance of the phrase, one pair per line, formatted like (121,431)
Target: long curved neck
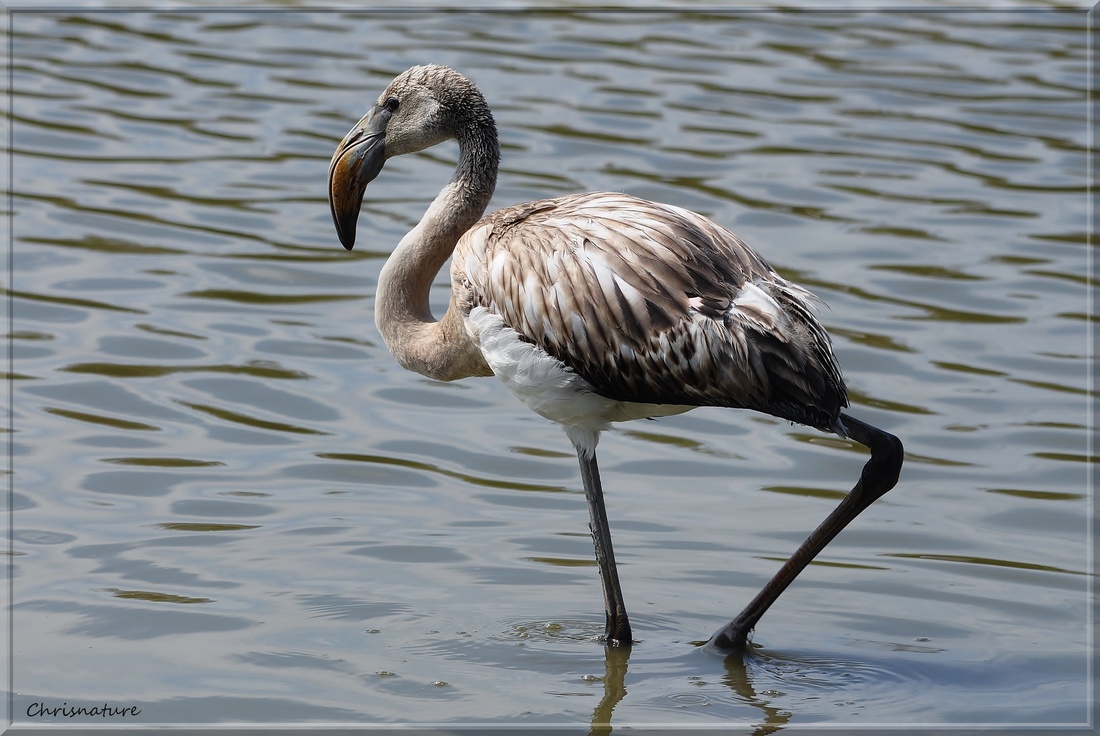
(440,349)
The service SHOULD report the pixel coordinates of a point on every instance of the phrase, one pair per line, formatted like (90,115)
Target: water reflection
(739,679)
(616,660)
(763,683)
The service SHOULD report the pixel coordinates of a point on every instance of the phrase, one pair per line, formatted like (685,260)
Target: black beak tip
(345,230)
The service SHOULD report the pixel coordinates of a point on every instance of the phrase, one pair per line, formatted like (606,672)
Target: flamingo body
(649,305)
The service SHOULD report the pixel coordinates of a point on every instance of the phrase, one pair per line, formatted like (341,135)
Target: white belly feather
(548,387)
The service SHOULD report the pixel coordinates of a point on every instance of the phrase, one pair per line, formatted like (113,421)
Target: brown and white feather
(651,303)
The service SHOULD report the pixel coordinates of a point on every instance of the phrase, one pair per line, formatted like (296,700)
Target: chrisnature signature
(44,710)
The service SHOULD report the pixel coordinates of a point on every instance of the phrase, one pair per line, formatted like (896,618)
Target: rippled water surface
(230,498)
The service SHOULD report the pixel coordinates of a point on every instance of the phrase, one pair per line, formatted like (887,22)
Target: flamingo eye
(392,104)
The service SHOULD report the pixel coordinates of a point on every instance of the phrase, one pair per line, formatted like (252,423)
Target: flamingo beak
(356,163)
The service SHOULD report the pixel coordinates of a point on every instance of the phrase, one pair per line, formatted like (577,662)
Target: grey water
(231,506)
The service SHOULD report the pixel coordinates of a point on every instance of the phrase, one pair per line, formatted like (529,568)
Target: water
(231,505)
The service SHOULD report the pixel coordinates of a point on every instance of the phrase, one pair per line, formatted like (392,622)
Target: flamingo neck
(437,349)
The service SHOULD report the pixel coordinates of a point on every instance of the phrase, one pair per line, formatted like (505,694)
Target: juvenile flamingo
(595,308)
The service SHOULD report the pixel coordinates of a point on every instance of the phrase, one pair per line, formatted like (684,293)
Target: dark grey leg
(618,626)
(879,475)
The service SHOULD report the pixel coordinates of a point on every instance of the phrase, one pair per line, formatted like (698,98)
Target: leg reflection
(614,688)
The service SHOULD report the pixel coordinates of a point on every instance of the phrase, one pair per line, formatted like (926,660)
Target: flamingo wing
(654,304)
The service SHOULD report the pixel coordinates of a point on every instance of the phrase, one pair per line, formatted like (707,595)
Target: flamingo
(595,308)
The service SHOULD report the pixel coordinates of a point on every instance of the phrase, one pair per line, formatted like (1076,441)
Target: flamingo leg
(879,476)
(617,632)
